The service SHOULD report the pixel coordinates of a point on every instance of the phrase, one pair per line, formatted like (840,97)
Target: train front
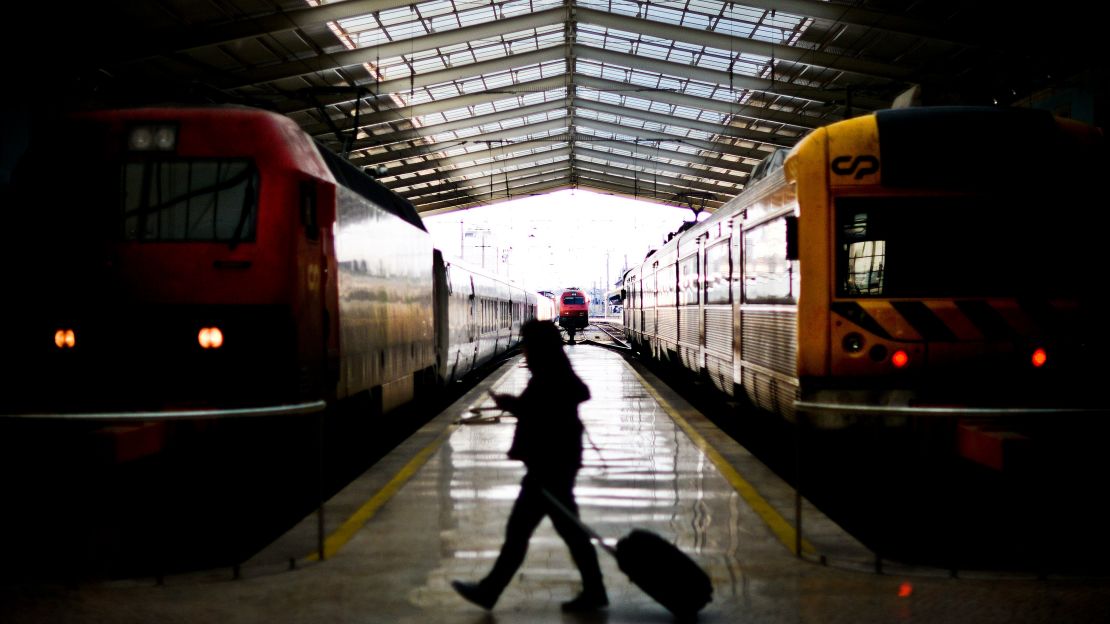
(951,267)
(165,259)
(573,310)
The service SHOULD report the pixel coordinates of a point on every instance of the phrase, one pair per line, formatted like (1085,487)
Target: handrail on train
(295,409)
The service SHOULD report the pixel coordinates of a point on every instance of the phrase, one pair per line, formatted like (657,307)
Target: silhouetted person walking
(548,439)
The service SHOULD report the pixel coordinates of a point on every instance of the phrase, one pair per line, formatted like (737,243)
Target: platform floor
(434,510)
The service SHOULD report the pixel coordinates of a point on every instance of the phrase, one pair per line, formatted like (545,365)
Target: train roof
(360,182)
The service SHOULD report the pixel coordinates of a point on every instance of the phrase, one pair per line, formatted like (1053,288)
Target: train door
(472,322)
(699,293)
(736,288)
(718,315)
(687,311)
(318,345)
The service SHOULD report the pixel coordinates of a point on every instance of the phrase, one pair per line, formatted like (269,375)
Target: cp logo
(860,165)
(313,277)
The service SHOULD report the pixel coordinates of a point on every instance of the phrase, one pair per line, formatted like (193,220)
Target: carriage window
(195,200)
(768,276)
(717,273)
(666,289)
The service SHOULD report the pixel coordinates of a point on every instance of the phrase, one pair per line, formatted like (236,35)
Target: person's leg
(593,594)
(527,512)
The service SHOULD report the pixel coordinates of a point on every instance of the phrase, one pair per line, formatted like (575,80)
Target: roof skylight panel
(389,17)
(592,37)
(690,133)
(358,24)
(701,89)
(682,148)
(599,116)
(483,15)
(659,107)
(458,113)
(660,13)
(711,116)
(615,150)
(553,132)
(484,108)
(537,97)
(686,111)
(635,101)
(435,7)
(451,135)
(610,98)
(618,74)
(422,66)
(431,120)
(405,31)
(439,92)
(490,52)
(454,151)
(617,7)
(546,38)
(492,81)
(523,74)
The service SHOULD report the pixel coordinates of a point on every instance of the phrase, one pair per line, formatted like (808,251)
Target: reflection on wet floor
(639,471)
(435,510)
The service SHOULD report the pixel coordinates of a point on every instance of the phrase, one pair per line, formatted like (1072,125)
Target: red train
(218,258)
(573,310)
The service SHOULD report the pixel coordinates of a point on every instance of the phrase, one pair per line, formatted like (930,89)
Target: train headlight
(1039,358)
(899,359)
(153,138)
(877,353)
(852,343)
(65,339)
(210,338)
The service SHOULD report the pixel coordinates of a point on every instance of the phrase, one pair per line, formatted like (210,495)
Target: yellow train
(920,261)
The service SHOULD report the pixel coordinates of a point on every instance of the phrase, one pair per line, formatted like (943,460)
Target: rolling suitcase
(656,566)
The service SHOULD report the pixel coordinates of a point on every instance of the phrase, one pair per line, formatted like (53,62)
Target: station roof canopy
(460,103)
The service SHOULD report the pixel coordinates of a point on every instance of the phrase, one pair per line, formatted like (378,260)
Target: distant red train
(573,310)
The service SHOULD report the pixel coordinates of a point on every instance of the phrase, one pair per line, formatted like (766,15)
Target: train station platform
(435,508)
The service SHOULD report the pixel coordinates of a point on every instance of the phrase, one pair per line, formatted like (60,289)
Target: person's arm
(507,402)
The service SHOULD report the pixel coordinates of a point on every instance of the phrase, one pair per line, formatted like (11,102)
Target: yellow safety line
(779,526)
(782,529)
(344,533)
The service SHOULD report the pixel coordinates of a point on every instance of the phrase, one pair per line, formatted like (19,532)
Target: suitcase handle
(582,525)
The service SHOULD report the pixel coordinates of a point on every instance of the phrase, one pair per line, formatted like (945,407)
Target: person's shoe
(587,601)
(474,593)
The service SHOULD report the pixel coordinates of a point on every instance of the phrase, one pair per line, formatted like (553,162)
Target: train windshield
(188,200)
(959,247)
(148,197)
(574,300)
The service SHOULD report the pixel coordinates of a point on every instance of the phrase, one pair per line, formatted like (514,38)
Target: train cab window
(935,247)
(769,276)
(574,299)
(189,200)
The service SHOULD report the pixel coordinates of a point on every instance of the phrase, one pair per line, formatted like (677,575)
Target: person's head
(542,344)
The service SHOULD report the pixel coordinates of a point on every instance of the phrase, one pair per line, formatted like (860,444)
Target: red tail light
(1039,358)
(899,358)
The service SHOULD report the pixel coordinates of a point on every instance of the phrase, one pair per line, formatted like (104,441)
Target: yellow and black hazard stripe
(948,320)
